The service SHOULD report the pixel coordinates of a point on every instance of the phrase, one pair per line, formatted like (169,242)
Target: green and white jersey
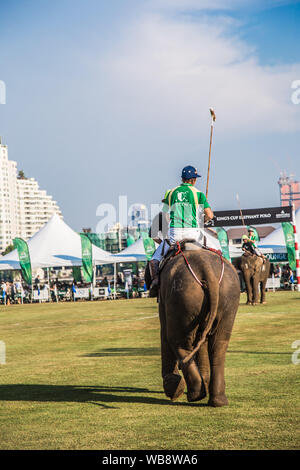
(185,204)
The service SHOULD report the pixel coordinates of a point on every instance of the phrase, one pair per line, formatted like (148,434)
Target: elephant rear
(197,320)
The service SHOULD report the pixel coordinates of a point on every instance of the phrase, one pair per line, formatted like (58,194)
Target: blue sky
(112,98)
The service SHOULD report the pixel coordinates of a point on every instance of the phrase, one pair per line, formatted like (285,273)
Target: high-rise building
(289,190)
(24,207)
(8,198)
(35,207)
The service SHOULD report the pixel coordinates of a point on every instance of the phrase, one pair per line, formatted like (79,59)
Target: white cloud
(169,71)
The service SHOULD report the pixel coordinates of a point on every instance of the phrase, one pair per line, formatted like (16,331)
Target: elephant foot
(195,385)
(174,386)
(249,303)
(217,401)
(263,303)
(197,395)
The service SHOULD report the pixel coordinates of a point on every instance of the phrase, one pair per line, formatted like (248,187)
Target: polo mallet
(213,118)
(242,217)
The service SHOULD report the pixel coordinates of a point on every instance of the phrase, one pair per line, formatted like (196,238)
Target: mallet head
(213,116)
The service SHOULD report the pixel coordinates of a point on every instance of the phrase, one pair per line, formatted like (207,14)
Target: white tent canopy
(55,245)
(134,252)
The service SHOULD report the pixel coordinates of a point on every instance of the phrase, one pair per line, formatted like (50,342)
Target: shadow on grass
(125,352)
(106,397)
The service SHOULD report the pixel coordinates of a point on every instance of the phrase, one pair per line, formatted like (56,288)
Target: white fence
(97,293)
(42,296)
(273,283)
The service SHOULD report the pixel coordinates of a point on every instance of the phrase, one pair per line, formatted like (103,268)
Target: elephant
(197,314)
(256,272)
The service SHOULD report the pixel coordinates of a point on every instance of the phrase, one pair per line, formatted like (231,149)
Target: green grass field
(87,376)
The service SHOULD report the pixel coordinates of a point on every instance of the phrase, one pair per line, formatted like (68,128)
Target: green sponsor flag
(24,259)
(77,273)
(95,239)
(257,238)
(223,240)
(144,234)
(289,237)
(130,240)
(87,258)
(149,246)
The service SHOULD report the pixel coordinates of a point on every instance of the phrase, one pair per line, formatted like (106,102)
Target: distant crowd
(18,292)
(284,273)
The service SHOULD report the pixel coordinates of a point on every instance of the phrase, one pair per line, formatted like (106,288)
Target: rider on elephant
(249,245)
(185,205)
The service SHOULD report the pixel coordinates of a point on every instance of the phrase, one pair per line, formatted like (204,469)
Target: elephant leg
(173,382)
(255,290)
(217,353)
(263,292)
(195,385)
(249,289)
(202,361)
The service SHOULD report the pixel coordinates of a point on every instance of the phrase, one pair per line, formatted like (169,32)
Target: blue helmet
(189,172)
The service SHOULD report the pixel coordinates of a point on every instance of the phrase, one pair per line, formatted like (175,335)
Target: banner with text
(87,258)
(235,218)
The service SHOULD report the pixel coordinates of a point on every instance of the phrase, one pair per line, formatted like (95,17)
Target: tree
(21,175)
(8,249)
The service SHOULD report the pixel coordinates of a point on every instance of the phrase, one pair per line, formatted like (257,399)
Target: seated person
(250,247)
(185,204)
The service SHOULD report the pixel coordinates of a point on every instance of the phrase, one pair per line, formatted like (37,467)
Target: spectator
(277,271)
(3,289)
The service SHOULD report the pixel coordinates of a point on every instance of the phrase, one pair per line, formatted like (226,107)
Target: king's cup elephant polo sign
(269,215)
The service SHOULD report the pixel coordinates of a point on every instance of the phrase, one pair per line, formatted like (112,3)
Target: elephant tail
(211,284)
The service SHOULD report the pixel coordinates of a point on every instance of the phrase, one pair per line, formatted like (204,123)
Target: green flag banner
(149,246)
(24,259)
(289,237)
(144,234)
(130,240)
(223,240)
(77,273)
(87,258)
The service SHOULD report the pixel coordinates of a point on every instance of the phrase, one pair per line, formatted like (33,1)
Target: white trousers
(176,235)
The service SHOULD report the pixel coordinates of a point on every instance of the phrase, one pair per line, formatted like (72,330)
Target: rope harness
(179,251)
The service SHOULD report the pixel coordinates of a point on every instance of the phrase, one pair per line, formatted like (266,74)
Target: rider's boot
(154,271)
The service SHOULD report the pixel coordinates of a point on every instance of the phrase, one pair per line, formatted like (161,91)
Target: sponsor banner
(277,257)
(223,240)
(24,259)
(289,237)
(87,259)
(234,218)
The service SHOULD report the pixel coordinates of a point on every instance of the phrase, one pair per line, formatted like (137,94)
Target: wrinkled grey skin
(183,309)
(255,274)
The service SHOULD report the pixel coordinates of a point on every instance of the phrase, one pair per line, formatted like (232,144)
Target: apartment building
(24,207)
